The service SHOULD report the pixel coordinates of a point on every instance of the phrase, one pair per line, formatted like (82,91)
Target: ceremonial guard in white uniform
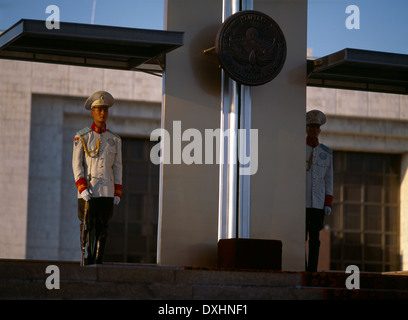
(97,167)
(319,185)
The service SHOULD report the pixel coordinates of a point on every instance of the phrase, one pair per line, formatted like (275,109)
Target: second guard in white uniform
(319,185)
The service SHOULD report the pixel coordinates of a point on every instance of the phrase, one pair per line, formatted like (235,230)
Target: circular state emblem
(251,47)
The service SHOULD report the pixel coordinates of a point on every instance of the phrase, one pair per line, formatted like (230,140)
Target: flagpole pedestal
(242,253)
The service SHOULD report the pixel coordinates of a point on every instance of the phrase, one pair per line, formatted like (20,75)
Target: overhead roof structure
(145,50)
(360,70)
(89,45)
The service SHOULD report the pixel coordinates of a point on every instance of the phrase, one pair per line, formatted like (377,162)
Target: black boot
(313,258)
(100,249)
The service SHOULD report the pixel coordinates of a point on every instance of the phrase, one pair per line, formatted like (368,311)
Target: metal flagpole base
(250,254)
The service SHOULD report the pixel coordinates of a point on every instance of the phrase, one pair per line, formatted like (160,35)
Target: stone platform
(26,280)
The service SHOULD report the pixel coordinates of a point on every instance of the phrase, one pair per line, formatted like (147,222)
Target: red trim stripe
(81,184)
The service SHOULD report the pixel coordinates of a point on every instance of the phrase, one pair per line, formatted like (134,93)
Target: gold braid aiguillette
(95,151)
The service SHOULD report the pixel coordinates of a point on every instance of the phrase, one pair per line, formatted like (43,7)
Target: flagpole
(234,188)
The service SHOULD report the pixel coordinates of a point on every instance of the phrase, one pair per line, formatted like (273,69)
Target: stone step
(368,280)
(22,279)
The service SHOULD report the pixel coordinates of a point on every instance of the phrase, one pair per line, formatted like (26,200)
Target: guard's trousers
(314,223)
(96,231)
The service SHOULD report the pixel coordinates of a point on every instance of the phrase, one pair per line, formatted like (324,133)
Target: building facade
(42,108)
(368,133)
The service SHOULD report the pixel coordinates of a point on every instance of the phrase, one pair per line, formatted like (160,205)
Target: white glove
(116,200)
(327,211)
(86,195)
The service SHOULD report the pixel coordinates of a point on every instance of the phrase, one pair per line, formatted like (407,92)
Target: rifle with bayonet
(84,232)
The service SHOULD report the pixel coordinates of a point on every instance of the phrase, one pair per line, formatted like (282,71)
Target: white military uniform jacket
(319,176)
(102,174)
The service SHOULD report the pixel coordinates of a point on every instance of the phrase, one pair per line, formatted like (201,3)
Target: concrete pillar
(404,212)
(188,214)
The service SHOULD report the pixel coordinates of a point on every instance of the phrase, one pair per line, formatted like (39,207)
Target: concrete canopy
(357,69)
(89,45)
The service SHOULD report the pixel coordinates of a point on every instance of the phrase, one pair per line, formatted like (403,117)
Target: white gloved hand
(116,200)
(327,211)
(86,195)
